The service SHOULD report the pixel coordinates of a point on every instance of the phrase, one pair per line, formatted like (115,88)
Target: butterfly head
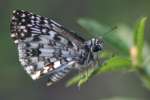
(95,44)
(98,44)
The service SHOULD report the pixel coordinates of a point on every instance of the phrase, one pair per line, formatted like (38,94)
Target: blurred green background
(15,84)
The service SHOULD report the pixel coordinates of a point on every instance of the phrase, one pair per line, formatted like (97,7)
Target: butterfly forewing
(44,46)
(25,24)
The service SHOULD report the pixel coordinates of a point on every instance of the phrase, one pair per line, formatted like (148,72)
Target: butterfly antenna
(109,31)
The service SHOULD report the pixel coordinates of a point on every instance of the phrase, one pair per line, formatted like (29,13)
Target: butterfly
(46,48)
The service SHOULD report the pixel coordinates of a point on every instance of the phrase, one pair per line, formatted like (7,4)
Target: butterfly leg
(98,60)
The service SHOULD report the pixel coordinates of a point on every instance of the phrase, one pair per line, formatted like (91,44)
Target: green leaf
(146,80)
(113,64)
(106,54)
(74,80)
(139,38)
(97,29)
(92,26)
(80,79)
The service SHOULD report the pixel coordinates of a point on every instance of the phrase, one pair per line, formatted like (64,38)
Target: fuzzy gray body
(47,48)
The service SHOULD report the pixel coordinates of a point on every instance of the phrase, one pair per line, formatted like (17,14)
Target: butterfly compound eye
(97,48)
(98,45)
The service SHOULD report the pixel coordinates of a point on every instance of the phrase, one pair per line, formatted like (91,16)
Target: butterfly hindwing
(60,73)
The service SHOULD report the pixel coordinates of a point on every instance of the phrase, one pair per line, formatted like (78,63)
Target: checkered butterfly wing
(44,46)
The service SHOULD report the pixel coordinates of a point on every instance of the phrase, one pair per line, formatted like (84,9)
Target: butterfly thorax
(91,49)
